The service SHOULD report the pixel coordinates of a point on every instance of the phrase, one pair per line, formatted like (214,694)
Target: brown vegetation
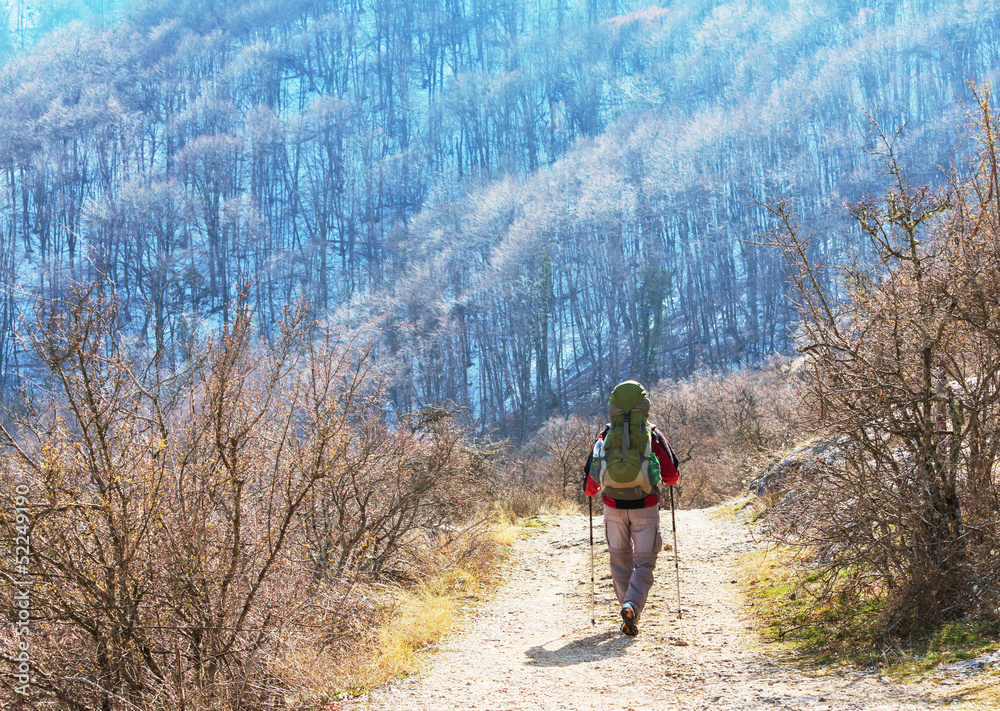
(905,374)
(557,453)
(725,426)
(192,533)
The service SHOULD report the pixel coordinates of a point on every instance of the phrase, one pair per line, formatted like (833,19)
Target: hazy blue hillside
(538,198)
(24,22)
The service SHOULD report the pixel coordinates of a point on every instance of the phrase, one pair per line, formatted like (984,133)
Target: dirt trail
(533,647)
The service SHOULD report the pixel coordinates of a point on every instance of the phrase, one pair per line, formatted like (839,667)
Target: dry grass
(506,529)
(391,627)
(743,506)
(419,619)
(413,620)
(402,623)
(399,623)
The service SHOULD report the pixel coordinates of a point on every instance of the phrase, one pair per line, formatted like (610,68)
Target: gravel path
(533,647)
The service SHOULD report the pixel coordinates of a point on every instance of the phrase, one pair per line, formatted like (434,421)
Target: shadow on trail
(589,649)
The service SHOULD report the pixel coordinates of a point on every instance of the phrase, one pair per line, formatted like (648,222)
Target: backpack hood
(626,397)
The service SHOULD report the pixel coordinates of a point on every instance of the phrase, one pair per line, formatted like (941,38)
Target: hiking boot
(630,620)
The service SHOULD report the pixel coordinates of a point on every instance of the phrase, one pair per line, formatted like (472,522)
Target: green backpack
(626,467)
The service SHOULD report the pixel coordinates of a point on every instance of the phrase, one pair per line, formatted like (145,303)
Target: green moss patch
(828,621)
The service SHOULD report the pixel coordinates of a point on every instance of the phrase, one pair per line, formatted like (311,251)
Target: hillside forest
(531,201)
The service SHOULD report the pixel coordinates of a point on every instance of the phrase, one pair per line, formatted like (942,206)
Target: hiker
(628,461)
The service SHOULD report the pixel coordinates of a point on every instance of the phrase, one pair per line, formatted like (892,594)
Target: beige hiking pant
(634,539)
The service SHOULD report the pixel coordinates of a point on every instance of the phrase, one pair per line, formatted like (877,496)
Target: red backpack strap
(669,473)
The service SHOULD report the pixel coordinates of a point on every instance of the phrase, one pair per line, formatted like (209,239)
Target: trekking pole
(677,567)
(593,585)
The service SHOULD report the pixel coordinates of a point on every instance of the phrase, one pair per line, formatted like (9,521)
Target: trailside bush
(725,426)
(557,453)
(905,374)
(186,528)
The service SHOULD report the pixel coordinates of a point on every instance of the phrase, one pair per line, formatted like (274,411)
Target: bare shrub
(725,426)
(905,374)
(555,452)
(177,551)
(528,481)
(395,486)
